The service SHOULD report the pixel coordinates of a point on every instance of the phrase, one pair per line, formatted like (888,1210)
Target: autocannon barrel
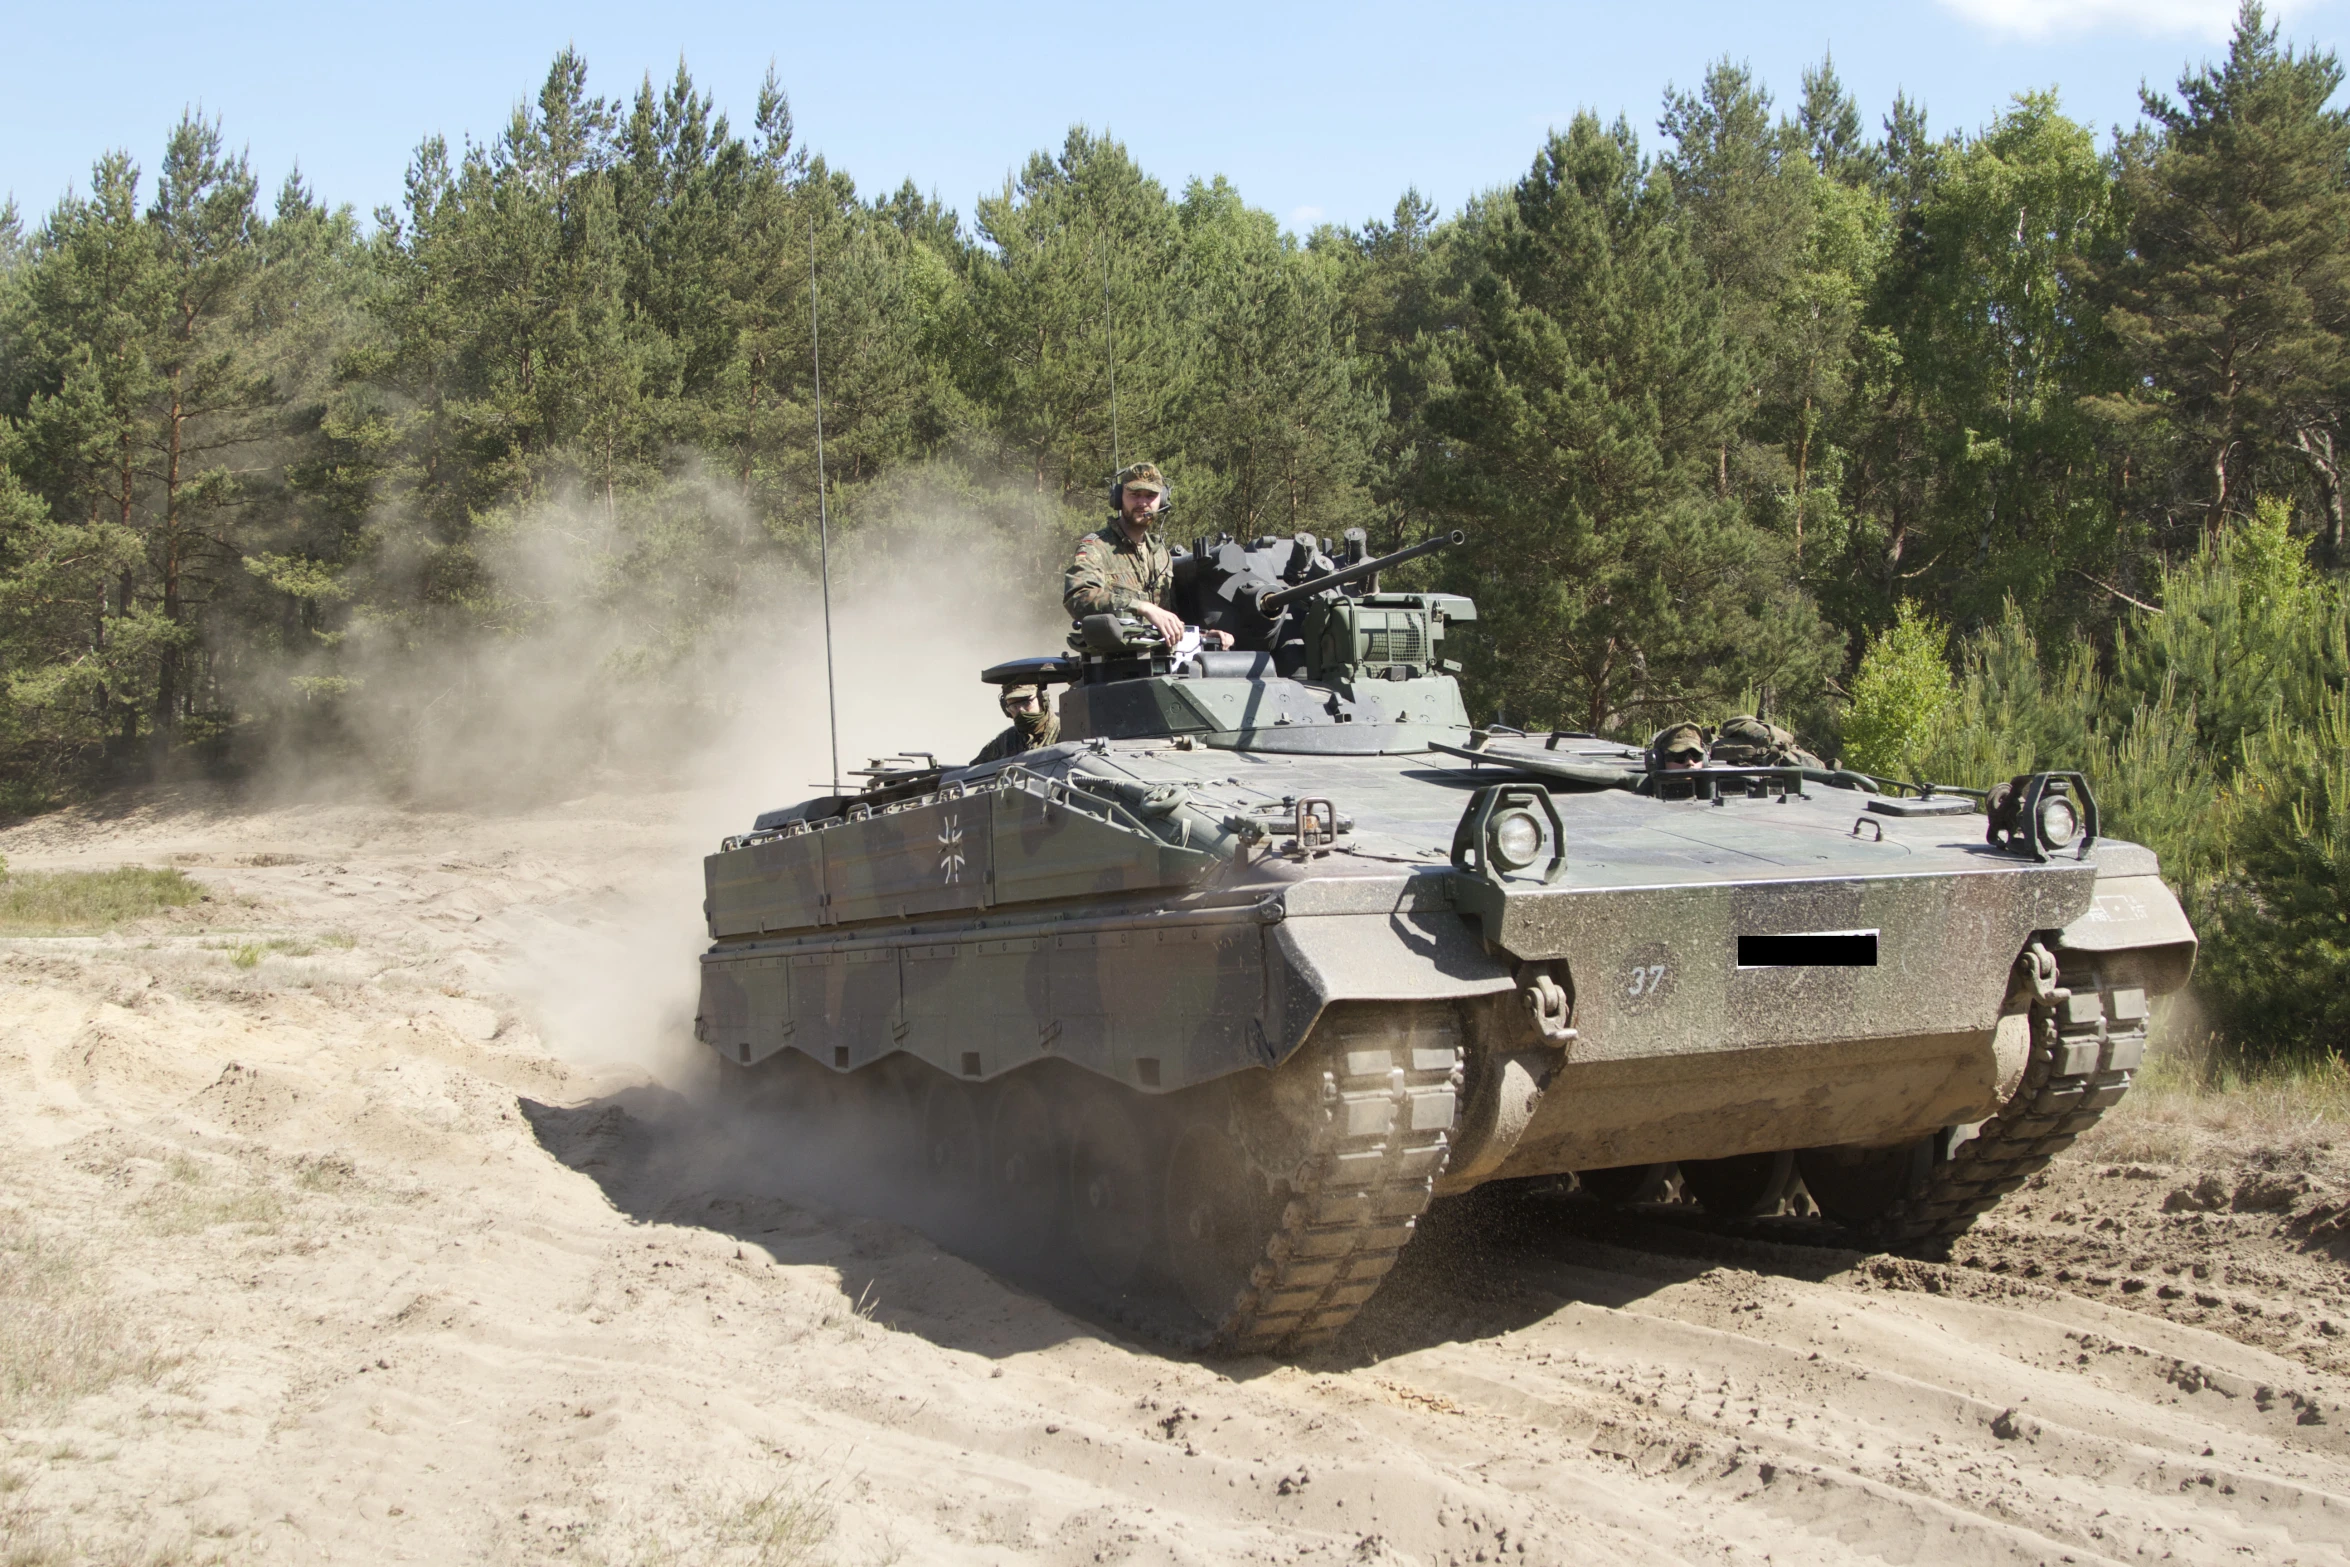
(1355,573)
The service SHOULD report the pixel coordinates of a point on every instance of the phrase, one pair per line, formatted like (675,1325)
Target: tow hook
(2039,966)
(1546,1003)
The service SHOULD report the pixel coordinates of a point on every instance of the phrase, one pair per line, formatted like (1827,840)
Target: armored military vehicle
(1274,947)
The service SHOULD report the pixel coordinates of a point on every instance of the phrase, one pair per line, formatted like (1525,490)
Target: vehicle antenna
(823,513)
(1110,341)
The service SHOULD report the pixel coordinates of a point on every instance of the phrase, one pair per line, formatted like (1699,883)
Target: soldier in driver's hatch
(1124,567)
(1678,746)
(1743,741)
(1034,724)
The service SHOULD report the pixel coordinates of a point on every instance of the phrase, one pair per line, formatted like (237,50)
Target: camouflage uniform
(1747,741)
(1113,573)
(1029,730)
(1743,741)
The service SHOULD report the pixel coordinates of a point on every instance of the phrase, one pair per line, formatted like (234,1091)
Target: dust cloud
(734,722)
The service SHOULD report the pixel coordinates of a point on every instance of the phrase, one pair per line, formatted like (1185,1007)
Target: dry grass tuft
(29,1540)
(67,903)
(248,954)
(63,1337)
(330,1173)
(786,1525)
(2191,1093)
(189,1201)
(781,1527)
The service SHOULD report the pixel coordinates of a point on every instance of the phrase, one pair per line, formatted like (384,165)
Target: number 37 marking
(1647,980)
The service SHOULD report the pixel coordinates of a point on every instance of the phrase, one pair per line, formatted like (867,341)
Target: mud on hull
(1394,1059)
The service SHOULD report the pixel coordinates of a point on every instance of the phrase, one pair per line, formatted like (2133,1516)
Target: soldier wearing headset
(1125,567)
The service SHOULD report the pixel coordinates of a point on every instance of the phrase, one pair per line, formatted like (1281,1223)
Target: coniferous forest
(1959,450)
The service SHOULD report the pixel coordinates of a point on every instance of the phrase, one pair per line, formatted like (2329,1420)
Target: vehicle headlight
(1515,839)
(2060,821)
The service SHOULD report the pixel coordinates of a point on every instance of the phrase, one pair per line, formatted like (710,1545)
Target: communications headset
(1118,495)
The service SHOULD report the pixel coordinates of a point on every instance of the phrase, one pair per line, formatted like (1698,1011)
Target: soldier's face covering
(1027,710)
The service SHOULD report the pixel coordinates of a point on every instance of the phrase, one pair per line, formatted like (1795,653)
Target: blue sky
(1312,110)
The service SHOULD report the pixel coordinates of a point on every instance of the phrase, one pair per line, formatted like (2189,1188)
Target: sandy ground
(367,1259)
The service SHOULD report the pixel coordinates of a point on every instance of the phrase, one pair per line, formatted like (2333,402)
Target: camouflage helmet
(1678,745)
(1143,476)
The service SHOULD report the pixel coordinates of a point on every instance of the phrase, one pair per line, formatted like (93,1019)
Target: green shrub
(53,903)
(1901,698)
(2246,629)
(2279,937)
(2218,738)
(2012,713)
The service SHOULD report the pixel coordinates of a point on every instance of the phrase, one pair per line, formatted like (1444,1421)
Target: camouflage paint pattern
(1139,900)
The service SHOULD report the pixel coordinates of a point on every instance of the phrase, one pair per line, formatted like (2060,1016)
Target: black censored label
(1822,949)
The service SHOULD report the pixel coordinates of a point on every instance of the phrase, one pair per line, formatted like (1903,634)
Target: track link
(1381,1133)
(2087,1041)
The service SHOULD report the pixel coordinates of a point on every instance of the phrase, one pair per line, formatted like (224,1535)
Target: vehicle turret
(1322,660)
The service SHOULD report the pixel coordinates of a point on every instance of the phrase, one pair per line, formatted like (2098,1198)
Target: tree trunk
(1596,710)
(1802,478)
(2316,446)
(168,667)
(1896,543)
(2219,488)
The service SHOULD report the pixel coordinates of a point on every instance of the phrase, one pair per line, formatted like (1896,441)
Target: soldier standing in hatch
(1124,567)
(1034,724)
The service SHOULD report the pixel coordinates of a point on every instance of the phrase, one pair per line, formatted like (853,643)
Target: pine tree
(1279,427)
(1989,461)
(1585,402)
(1829,121)
(1784,215)
(1744,183)
(1396,295)
(1085,245)
(215,398)
(2235,295)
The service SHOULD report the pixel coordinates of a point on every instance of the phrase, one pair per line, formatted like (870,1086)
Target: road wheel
(1024,1161)
(1856,1187)
(1744,1186)
(1220,1219)
(1113,1195)
(1626,1183)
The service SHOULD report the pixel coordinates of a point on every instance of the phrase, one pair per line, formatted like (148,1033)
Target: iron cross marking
(950,849)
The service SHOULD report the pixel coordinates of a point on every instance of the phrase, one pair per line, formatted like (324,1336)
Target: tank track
(1381,1135)
(2087,1042)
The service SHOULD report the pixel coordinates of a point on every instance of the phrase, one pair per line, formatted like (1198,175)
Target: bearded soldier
(1124,567)
(1034,724)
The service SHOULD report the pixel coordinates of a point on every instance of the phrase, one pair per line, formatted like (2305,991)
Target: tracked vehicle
(1274,947)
